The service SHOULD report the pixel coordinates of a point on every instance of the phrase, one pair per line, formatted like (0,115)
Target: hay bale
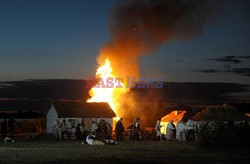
(220,113)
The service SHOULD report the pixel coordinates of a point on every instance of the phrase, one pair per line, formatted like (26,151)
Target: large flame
(105,94)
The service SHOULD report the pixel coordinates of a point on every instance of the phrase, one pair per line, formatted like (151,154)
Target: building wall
(71,122)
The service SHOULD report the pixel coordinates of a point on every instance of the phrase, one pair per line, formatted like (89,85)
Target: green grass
(125,152)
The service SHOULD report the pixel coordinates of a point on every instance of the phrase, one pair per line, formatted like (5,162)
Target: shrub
(218,134)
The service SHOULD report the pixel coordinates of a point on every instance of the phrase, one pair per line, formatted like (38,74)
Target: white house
(74,112)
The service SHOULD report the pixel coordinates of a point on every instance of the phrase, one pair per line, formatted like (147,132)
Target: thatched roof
(82,109)
(220,113)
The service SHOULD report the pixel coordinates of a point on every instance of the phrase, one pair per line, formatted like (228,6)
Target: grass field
(124,152)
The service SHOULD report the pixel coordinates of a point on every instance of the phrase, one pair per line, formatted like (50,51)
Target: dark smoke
(149,23)
(141,26)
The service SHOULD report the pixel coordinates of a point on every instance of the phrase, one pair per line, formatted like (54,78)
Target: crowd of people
(136,130)
(179,132)
(63,130)
(103,130)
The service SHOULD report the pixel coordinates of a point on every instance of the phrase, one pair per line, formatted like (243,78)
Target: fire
(111,95)
(175,116)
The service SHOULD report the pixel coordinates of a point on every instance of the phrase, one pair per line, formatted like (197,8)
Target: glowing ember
(111,95)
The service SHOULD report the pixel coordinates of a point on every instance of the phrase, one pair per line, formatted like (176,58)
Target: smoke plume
(139,27)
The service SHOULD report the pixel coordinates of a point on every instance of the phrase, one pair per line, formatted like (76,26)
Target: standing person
(158,130)
(173,131)
(119,128)
(58,129)
(64,130)
(78,131)
(108,130)
(136,129)
(101,129)
(12,126)
(4,128)
(180,133)
(82,125)
(190,125)
(94,127)
(170,129)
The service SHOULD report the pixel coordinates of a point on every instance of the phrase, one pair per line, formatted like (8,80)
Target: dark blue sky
(48,39)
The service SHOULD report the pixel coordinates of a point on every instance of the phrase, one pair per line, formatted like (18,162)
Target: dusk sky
(60,39)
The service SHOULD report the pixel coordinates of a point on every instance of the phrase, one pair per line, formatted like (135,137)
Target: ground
(124,152)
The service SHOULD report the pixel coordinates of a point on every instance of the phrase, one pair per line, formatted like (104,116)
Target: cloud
(240,71)
(244,57)
(227,67)
(208,70)
(229,59)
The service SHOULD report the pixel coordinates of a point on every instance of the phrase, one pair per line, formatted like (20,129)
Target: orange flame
(106,94)
(175,116)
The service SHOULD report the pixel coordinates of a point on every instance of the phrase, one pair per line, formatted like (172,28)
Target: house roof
(23,108)
(25,105)
(220,113)
(19,115)
(83,109)
(174,115)
(31,108)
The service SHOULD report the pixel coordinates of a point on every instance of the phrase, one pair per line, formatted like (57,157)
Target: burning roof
(174,115)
